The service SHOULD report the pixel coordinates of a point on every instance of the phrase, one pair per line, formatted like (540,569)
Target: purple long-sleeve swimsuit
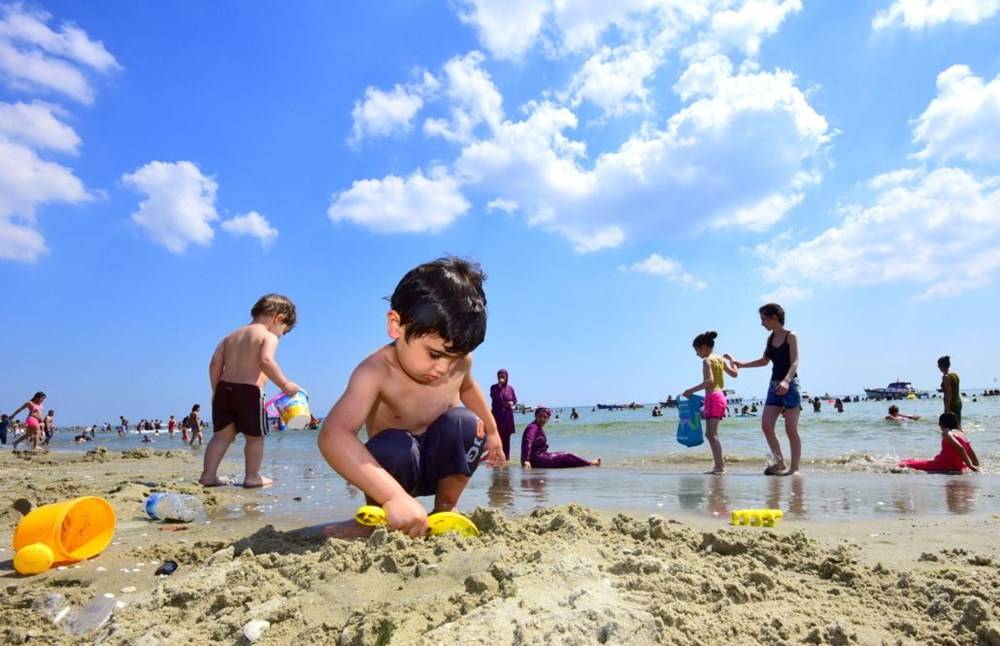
(535,449)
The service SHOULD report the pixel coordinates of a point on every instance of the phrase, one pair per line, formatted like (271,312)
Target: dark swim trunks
(450,446)
(241,405)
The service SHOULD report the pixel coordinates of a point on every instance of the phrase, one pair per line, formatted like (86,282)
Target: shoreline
(556,573)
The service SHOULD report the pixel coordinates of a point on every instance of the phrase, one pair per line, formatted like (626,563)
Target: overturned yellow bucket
(74,530)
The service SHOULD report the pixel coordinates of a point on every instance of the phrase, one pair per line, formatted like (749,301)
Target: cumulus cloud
(666,267)
(742,29)
(501,204)
(738,155)
(507,28)
(920,14)
(37,125)
(382,114)
(34,57)
(963,120)
(936,229)
(252,224)
(26,182)
(180,204)
(473,98)
(414,204)
(614,79)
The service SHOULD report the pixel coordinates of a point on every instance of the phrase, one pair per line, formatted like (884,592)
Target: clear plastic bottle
(173,506)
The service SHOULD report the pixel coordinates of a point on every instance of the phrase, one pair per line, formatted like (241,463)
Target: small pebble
(61,567)
(128,589)
(124,570)
(254,629)
(140,565)
(101,568)
(120,604)
(76,567)
(109,595)
(154,562)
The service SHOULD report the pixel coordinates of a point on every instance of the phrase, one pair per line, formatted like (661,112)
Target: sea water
(847,466)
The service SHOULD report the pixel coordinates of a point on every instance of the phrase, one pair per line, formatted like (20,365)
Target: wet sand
(564,574)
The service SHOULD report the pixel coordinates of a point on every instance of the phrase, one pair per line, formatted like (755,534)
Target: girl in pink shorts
(713,367)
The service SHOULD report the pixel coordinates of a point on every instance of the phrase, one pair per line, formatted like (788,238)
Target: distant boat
(895,390)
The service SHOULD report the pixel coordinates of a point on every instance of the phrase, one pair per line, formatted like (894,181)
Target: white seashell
(254,629)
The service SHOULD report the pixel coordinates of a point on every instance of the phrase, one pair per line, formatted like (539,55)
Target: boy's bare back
(402,402)
(241,354)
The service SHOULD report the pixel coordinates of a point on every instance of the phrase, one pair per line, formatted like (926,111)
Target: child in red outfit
(956,450)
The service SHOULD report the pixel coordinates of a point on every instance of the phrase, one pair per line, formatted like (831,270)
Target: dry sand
(564,575)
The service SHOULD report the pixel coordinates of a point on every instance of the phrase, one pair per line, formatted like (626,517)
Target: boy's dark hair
(948,421)
(944,361)
(443,297)
(705,338)
(775,310)
(275,304)
(38,395)
(893,409)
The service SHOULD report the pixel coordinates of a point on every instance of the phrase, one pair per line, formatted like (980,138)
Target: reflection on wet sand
(960,494)
(500,493)
(787,494)
(534,483)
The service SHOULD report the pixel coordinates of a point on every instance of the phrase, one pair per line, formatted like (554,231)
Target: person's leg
(449,455)
(449,490)
(505,441)
(767,422)
(253,454)
(794,442)
(214,453)
(562,460)
(712,434)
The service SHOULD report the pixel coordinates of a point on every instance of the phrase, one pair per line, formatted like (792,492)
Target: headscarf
(542,409)
(503,371)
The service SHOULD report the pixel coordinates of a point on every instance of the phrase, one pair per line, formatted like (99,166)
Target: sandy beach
(566,574)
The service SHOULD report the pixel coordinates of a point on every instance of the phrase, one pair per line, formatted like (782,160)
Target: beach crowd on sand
(420,441)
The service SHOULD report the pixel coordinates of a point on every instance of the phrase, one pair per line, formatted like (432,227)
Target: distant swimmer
(895,416)
(535,448)
(956,451)
(573,414)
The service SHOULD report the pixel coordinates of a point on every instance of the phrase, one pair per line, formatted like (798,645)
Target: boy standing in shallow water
(407,395)
(239,368)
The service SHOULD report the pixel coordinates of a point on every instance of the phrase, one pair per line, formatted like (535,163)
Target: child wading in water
(715,397)
(33,423)
(956,451)
(407,395)
(241,365)
(194,423)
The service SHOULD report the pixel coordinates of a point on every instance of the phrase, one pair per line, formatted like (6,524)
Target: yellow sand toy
(440,523)
(63,532)
(756,517)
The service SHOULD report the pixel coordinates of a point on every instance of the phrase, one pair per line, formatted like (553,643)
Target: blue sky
(629,174)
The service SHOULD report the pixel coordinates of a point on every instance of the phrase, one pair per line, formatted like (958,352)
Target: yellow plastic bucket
(75,530)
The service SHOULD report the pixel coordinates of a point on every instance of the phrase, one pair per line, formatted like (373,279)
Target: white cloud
(393,204)
(474,100)
(672,270)
(938,230)
(501,204)
(382,114)
(508,28)
(739,155)
(615,79)
(745,27)
(786,294)
(920,14)
(252,224)
(34,57)
(963,120)
(179,206)
(36,125)
(26,182)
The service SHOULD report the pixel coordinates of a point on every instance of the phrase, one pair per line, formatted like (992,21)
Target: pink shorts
(715,405)
(32,422)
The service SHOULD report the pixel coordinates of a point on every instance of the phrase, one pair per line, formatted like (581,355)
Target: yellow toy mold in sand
(440,523)
(756,517)
(63,532)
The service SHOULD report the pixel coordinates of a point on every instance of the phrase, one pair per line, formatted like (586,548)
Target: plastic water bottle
(173,506)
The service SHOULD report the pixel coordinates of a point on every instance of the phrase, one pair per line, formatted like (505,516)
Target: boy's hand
(494,451)
(291,388)
(406,514)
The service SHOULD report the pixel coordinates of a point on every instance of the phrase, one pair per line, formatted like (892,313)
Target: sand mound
(560,575)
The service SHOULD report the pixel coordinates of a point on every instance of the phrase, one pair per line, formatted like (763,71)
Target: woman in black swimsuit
(782,352)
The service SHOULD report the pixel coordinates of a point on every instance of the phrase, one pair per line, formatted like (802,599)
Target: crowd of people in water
(405,393)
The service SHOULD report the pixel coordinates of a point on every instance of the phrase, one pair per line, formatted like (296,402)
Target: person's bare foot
(347,529)
(790,472)
(214,482)
(716,472)
(256,483)
(596,463)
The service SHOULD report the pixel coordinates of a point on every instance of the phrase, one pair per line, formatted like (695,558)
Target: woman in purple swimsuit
(504,399)
(535,448)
